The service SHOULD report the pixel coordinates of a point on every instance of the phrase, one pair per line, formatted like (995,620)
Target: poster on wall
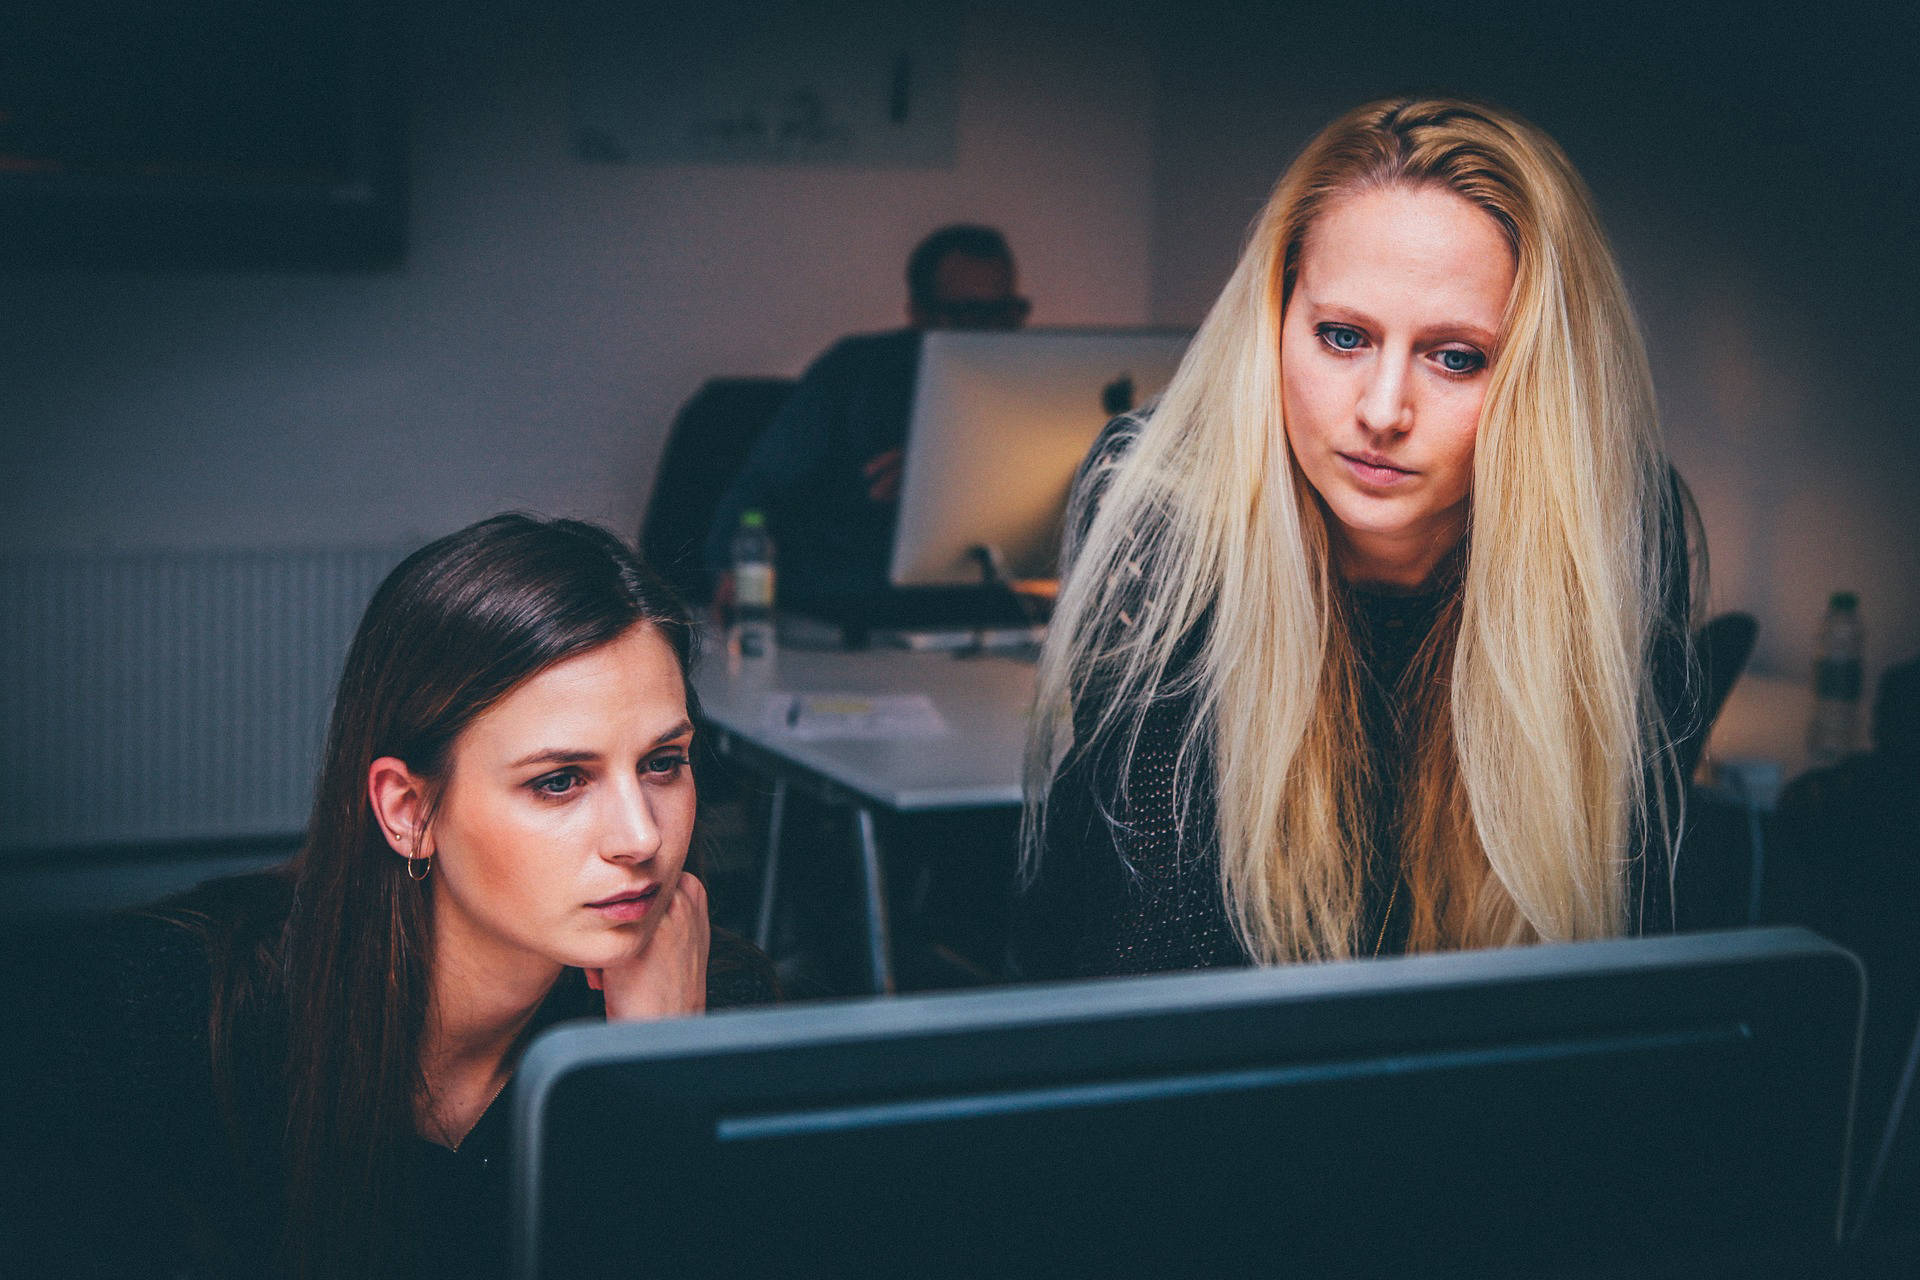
(845,83)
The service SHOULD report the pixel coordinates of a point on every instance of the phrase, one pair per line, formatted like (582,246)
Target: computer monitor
(1000,421)
(1633,1107)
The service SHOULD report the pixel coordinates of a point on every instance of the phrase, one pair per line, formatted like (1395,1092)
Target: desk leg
(770,877)
(879,938)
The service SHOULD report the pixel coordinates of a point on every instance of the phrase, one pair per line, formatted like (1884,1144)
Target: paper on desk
(867,717)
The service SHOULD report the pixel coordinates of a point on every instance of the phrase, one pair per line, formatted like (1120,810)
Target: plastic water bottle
(1833,732)
(750,637)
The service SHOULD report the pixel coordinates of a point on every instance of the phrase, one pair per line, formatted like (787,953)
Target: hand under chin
(667,976)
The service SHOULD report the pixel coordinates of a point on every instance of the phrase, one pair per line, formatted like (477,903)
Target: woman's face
(1384,352)
(567,813)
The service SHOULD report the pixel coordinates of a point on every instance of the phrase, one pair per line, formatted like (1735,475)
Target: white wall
(551,314)
(1759,221)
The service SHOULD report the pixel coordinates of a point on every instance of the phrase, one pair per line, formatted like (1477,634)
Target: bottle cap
(1843,600)
(752,520)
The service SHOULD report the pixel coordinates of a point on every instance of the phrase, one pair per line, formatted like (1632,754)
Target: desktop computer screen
(1642,1107)
(1000,422)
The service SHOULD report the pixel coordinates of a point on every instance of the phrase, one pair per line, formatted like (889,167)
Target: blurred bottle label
(753,586)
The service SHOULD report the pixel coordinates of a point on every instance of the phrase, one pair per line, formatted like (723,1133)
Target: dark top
(144,1176)
(805,471)
(1127,894)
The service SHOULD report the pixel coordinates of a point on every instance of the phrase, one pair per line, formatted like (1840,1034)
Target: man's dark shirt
(805,472)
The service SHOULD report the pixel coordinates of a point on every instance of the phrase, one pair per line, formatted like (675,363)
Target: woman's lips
(623,907)
(1374,471)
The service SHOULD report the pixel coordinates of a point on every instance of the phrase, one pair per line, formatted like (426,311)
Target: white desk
(975,763)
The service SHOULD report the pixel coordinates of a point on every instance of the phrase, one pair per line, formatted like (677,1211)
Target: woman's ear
(399,799)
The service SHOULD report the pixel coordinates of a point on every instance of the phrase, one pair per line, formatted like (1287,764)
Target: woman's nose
(1384,405)
(632,833)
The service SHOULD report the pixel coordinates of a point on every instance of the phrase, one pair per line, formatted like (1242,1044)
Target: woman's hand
(668,978)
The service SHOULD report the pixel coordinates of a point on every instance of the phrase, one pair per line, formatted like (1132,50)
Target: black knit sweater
(1127,883)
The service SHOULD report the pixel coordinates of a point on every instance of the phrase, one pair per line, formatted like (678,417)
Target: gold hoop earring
(419,869)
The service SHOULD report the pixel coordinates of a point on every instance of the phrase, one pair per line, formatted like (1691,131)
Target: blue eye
(1454,360)
(558,784)
(666,765)
(1340,337)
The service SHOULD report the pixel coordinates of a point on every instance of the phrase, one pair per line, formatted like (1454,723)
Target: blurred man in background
(826,472)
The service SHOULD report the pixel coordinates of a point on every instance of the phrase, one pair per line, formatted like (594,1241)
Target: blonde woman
(1375,634)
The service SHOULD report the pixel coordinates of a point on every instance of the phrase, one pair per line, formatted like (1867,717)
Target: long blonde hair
(1205,574)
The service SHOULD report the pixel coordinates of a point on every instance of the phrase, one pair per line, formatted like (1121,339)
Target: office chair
(1725,844)
(707,445)
(1724,645)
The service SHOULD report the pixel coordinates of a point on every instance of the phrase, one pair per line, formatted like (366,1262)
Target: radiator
(166,696)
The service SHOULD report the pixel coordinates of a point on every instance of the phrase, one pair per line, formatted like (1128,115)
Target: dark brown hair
(455,628)
(966,239)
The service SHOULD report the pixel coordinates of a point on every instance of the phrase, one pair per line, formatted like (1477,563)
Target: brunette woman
(301,1073)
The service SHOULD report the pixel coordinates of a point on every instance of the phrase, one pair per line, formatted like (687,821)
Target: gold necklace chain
(452,1142)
